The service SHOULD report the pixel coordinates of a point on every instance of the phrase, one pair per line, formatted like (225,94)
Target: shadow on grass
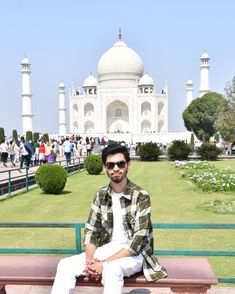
(60,194)
(65,192)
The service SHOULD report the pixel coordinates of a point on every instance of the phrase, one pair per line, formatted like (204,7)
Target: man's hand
(96,267)
(93,268)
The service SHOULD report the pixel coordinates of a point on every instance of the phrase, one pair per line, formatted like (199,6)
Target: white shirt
(118,229)
(4,147)
(67,146)
(22,149)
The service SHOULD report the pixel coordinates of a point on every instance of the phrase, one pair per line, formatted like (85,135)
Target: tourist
(25,151)
(48,153)
(36,153)
(118,236)
(88,148)
(4,149)
(42,158)
(67,150)
(12,152)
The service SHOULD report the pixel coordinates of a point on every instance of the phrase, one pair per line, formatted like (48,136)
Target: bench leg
(182,290)
(2,289)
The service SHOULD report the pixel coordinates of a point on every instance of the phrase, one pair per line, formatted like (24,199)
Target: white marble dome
(90,81)
(189,82)
(204,55)
(146,80)
(120,62)
(61,85)
(25,61)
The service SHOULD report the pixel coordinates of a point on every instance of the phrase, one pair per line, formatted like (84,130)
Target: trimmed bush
(149,152)
(51,178)
(45,138)
(2,135)
(35,137)
(15,135)
(29,136)
(209,151)
(179,150)
(192,144)
(93,164)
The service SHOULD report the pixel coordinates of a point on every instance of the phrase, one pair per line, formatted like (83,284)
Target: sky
(64,39)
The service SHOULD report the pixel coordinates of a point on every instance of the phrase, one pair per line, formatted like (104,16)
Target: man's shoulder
(136,188)
(103,191)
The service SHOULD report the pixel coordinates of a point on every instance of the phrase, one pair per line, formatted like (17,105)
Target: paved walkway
(88,290)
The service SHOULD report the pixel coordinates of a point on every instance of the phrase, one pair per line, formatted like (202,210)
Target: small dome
(118,62)
(90,81)
(25,61)
(205,55)
(146,80)
(189,82)
(61,85)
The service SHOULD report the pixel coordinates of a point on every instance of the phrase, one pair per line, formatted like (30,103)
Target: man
(67,150)
(118,234)
(26,152)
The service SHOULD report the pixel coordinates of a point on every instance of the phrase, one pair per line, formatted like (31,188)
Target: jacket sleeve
(93,225)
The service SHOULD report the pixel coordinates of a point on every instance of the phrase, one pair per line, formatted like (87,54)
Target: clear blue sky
(64,39)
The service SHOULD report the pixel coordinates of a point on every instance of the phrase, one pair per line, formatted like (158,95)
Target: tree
(29,136)
(15,135)
(200,115)
(192,144)
(45,138)
(225,121)
(35,137)
(2,135)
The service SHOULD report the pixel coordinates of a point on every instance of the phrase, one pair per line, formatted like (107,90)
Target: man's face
(116,167)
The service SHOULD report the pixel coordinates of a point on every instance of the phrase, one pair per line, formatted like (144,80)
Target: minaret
(62,110)
(204,79)
(27,115)
(189,91)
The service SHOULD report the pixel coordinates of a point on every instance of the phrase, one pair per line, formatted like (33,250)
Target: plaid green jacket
(136,213)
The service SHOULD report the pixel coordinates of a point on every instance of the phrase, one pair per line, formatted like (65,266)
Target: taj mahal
(122,103)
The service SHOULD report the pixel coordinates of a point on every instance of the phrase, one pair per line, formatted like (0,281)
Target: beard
(117,178)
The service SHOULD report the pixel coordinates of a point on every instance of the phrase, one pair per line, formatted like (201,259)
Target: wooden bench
(185,275)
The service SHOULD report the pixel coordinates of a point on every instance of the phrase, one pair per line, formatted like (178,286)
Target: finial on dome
(120,34)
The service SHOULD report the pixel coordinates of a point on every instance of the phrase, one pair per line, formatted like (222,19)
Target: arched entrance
(89,127)
(117,117)
(146,126)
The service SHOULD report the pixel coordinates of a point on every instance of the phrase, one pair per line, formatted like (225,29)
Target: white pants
(112,275)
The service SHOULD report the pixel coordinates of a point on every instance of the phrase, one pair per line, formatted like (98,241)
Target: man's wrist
(103,262)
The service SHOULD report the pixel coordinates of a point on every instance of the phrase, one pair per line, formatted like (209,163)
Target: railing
(13,182)
(78,248)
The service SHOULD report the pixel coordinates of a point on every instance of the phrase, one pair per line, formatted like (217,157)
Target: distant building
(122,103)
(121,100)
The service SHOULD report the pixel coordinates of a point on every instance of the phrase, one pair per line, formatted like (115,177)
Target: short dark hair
(114,149)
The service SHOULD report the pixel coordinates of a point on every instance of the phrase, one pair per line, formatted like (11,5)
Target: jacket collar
(127,192)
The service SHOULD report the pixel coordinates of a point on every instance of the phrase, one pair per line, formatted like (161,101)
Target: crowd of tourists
(24,152)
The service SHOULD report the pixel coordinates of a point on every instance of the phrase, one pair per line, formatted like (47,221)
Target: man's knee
(112,271)
(64,265)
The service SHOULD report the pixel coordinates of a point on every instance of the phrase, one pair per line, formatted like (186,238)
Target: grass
(174,200)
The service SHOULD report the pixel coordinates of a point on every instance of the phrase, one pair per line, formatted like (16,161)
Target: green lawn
(174,200)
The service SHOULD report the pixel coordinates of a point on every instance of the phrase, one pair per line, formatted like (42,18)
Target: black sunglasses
(111,165)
